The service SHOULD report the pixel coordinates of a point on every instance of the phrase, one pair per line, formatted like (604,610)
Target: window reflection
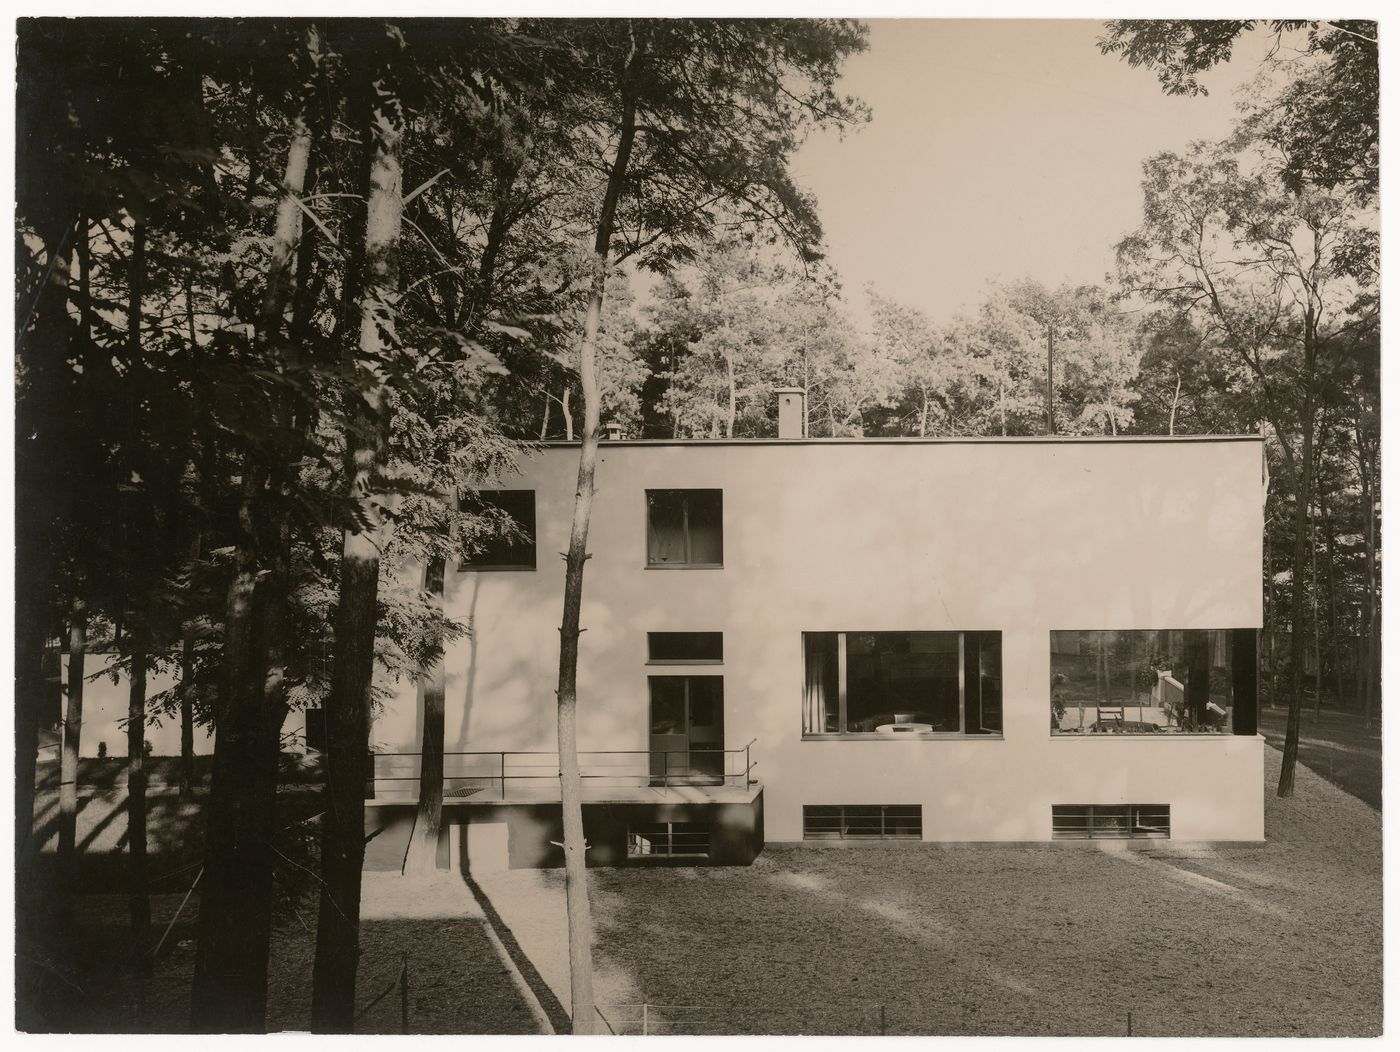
(1141,682)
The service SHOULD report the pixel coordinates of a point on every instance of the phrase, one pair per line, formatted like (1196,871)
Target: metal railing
(511,774)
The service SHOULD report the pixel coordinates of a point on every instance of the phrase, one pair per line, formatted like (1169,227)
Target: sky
(997,148)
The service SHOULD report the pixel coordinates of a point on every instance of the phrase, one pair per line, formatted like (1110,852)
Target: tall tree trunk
(1302,496)
(1049,380)
(72,741)
(186,690)
(568,416)
(40,490)
(544,418)
(187,775)
(1333,615)
(356,619)
(138,889)
(582,1008)
(1316,625)
(732,411)
(229,990)
(1176,401)
(1370,608)
(427,826)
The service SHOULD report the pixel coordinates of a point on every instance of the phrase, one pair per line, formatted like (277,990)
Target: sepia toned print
(694,526)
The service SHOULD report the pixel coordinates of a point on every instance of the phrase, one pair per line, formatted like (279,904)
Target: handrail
(502,766)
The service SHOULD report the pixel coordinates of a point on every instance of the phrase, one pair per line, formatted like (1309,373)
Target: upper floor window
(508,542)
(901,684)
(1191,681)
(685,527)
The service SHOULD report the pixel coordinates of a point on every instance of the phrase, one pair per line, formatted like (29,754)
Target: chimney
(792,411)
(614,430)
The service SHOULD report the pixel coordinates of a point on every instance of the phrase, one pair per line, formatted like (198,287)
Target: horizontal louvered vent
(669,840)
(862,822)
(1110,821)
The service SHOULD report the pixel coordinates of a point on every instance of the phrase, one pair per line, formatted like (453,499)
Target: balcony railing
(534,775)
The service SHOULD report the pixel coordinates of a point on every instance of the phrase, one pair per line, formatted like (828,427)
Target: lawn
(1277,938)
(1336,745)
(1282,938)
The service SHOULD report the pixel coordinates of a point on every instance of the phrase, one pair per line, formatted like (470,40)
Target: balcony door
(687,730)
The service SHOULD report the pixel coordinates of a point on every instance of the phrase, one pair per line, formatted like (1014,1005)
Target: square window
(507,540)
(685,527)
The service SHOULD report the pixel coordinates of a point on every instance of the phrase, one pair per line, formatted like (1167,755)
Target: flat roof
(968,440)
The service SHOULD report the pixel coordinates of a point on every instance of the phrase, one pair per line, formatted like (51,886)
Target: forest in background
(287,292)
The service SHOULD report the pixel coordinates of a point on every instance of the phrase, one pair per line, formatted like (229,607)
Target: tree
(673,144)
(1271,275)
(1325,122)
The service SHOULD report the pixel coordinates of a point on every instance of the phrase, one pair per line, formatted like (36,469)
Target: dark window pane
(508,539)
(902,679)
(667,704)
(706,521)
(685,527)
(685,646)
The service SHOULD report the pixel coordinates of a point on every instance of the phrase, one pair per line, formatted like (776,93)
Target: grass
(1282,938)
(1278,938)
(1337,745)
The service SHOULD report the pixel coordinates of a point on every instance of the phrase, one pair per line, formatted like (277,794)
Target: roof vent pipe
(792,412)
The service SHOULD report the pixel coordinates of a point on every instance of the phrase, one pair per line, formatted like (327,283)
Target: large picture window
(901,684)
(1191,681)
(685,527)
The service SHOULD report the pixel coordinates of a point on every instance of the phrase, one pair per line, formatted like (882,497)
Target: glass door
(687,730)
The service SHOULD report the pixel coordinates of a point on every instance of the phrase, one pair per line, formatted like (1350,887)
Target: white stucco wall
(1020,536)
(105,708)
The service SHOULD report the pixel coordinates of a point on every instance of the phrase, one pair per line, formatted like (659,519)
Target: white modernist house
(949,640)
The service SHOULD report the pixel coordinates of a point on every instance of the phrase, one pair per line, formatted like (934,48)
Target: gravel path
(1281,938)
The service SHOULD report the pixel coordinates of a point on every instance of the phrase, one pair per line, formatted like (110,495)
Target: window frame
(1242,646)
(961,734)
(684,661)
(466,566)
(647,530)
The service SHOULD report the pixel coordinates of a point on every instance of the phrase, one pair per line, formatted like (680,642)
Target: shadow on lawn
(1335,745)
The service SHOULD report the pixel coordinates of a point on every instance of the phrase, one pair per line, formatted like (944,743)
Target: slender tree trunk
(187,775)
(1317,626)
(733,401)
(229,990)
(1303,475)
(1176,401)
(138,889)
(1049,380)
(72,741)
(544,419)
(1001,402)
(427,827)
(582,1008)
(568,416)
(356,620)
(923,416)
(1368,500)
(1333,615)
(40,490)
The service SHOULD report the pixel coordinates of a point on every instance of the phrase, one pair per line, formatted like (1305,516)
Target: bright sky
(997,148)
